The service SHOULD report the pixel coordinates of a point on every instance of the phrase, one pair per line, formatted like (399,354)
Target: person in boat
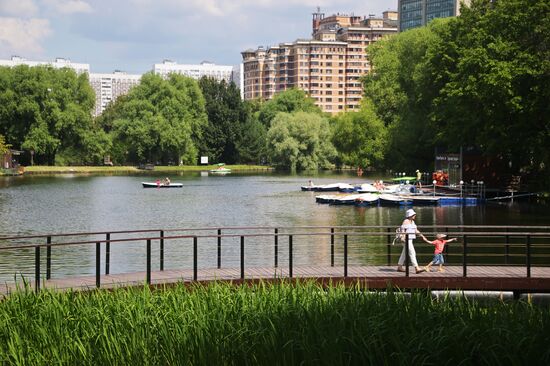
(310,183)
(409,228)
(158,182)
(166,181)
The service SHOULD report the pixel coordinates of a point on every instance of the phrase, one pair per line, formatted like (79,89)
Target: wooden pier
(520,257)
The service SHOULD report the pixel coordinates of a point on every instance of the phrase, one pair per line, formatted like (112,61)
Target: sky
(132,35)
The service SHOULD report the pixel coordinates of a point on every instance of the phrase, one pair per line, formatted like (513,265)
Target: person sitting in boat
(166,181)
(158,182)
(310,183)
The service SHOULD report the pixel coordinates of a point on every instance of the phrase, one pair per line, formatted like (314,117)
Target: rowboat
(161,185)
(390,199)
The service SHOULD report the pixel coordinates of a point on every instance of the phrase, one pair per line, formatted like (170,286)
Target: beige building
(328,67)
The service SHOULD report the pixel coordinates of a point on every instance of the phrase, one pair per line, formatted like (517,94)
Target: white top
(409,228)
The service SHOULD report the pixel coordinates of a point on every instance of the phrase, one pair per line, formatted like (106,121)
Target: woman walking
(409,228)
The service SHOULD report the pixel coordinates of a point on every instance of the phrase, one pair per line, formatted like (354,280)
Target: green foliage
(360,137)
(492,69)
(227,116)
(263,324)
(159,121)
(4,147)
(288,101)
(399,95)
(49,111)
(481,79)
(300,141)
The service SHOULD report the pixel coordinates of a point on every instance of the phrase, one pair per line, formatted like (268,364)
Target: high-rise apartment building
(108,87)
(59,63)
(417,13)
(218,72)
(327,67)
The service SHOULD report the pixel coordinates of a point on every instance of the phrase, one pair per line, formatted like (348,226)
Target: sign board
(204,160)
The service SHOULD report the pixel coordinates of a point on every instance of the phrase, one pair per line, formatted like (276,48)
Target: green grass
(42,169)
(263,324)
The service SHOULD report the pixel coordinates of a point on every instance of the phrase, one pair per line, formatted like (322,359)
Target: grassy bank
(132,169)
(267,324)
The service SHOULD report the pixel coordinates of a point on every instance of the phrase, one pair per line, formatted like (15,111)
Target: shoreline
(38,170)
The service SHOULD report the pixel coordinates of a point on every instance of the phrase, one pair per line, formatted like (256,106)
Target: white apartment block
(218,72)
(108,87)
(328,67)
(59,63)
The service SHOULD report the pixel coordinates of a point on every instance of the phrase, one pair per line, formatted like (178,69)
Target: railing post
(465,257)
(97,264)
(37,268)
(162,250)
(219,248)
(332,247)
(407,255)
(388,244)
(345,255)
(49,258)
(290,256)
(195,258)
(507,249)
(107,253)
(528,261)
(276,248)
(148,274)
(242,257)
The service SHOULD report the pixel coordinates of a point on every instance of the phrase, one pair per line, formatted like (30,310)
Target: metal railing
(515,246)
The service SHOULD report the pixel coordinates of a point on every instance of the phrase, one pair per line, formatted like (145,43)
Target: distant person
(439,243)
(359,171)
(419,179)
(310,183)
(409,228)
(166,181)
(158,182)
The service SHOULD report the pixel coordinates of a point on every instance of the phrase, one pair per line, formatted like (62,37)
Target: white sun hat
(410,212)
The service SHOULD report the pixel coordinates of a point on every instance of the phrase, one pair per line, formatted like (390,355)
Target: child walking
(439,244)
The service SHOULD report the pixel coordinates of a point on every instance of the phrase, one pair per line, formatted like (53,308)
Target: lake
(81,203)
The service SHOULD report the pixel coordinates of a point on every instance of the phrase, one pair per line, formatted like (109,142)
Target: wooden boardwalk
(489,278)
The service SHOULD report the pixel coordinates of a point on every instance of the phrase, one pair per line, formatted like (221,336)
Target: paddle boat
(161,185)
(367,199)
(221,169)
(391,199)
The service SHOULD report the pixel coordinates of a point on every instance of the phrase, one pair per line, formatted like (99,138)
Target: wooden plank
(479,277)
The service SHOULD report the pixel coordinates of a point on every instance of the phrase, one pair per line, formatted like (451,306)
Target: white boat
(367,188)
(161,185)
(391,199)
(221,170)
(367,199)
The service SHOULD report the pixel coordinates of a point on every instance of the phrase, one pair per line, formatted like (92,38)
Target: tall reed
(267,324)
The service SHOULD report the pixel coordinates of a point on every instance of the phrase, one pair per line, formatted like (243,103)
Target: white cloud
(69,6)
(22,8)
(18,36)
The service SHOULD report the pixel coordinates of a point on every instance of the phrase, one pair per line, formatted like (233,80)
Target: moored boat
(367,199)
(391,199)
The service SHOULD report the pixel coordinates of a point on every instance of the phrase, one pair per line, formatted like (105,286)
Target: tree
(401,97)
(159,121)
(48,111)
(288,101)
(226,117)
(4,147)
(300,141)
(360,137)
(492,73)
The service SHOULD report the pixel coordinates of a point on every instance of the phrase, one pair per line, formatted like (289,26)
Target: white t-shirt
(410,229)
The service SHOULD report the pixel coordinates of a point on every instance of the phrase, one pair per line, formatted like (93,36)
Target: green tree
(226,117)
(288,101)
(48,111)
(159,121)
(492,73)
(360,137)
(4,147)
(401,97)
(300,141)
